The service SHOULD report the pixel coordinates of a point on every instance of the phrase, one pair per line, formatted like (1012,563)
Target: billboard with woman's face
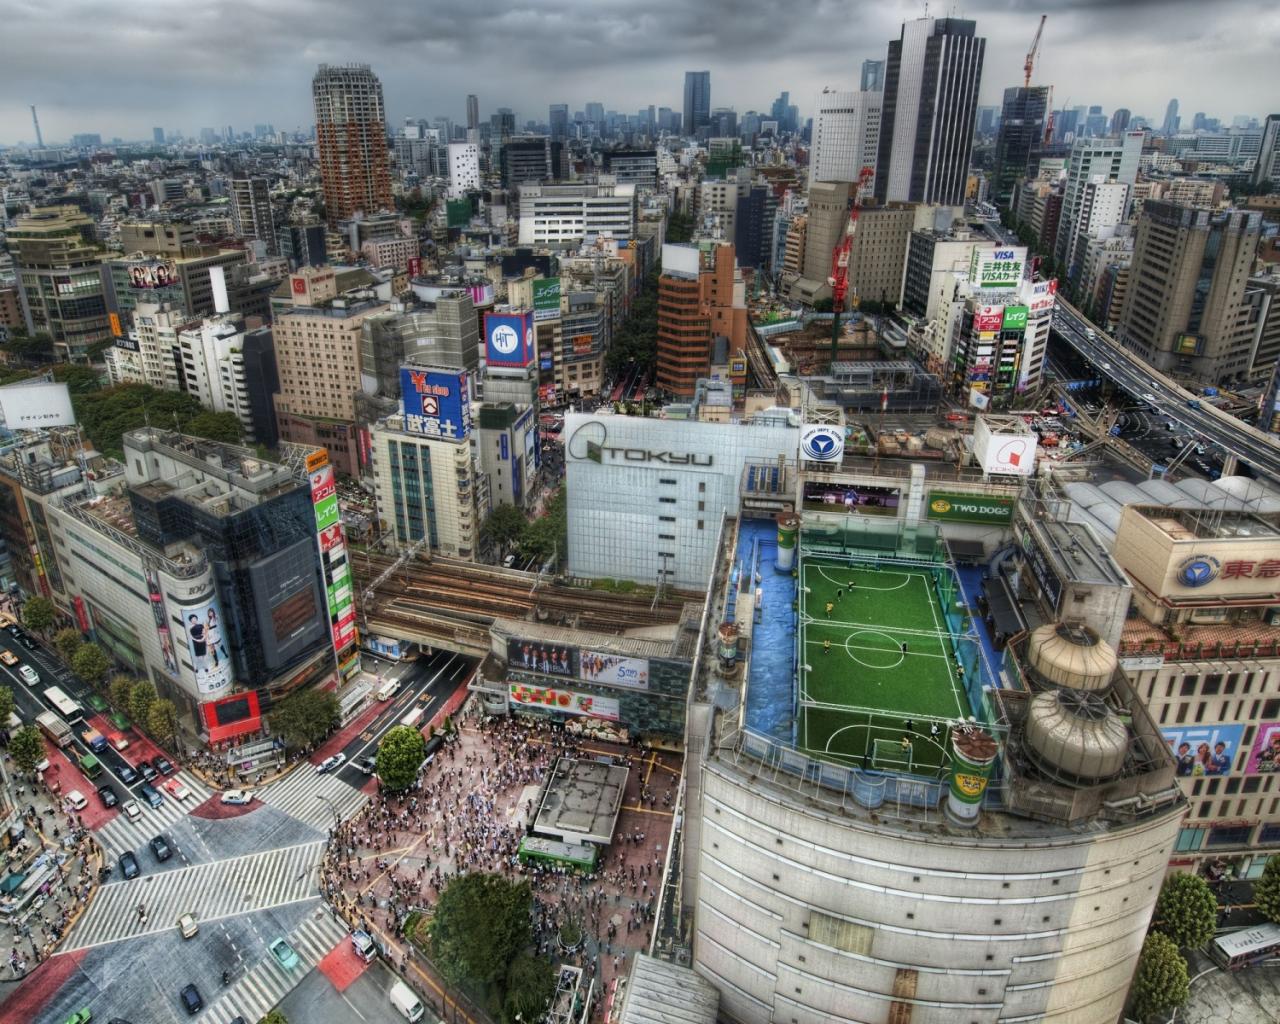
(203,627)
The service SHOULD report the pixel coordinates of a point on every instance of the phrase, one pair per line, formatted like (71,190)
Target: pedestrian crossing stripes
(210,891)
(266,983)
(121,833)
(313,799)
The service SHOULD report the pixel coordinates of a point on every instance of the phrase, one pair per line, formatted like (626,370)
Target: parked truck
(55,728)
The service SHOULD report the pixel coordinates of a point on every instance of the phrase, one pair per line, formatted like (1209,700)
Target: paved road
(365,1000)
(1128,371)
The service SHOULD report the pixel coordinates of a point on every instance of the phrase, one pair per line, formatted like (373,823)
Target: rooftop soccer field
(875,652)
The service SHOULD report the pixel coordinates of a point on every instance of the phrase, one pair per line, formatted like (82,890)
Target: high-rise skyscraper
(1093,163)
(846,135)
(251,211)
(1120,120)
(1171,119)
(473,111)
(872,76)
(351,139)
(1021,133)
(697,101)
(559,121)
(157,135)
(1267,166)
(930,98)
(595,114)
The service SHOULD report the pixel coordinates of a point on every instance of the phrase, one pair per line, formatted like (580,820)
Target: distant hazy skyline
(90,66)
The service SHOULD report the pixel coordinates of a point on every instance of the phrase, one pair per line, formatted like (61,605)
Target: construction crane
(839,279)
(1031,53)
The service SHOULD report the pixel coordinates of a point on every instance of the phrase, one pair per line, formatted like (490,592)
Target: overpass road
(1250,446)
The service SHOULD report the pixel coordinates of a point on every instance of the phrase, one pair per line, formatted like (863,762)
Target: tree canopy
(39,613)
(108,413)
(142,695)
(504,527)
(305,718)
(399,755)
(66,642)
(162,719)
(480,927)
(549,533)
(1160,983)
(26,747)
(6,706)
(530,984)
(91,664)
(1266,891)
(1187,910)
(636,342)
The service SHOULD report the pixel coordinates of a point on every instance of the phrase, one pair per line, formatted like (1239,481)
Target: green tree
(66,642)
(399,756)
(39,613)
(274,1017)
(504,526)
(6,706)
(679,228)
(162,720)
(142,695)
(26,746)
(548,534)
(480,926)
(1266,891)
(106,414)
(91,664)
(305,718)
(80,380)
(1187,910)
(216,426)
(118,690)
(530,984)
(1160,984)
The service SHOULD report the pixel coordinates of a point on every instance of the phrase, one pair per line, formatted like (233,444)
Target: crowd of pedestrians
(468,812)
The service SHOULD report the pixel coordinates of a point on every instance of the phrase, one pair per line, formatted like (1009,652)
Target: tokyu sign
(969,508)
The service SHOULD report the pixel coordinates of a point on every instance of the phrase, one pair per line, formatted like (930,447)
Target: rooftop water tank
(1072,655)
(1073,733)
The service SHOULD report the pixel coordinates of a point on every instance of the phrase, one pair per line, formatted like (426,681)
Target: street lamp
(332,807)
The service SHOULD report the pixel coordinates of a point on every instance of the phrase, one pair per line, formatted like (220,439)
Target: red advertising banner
(988,318)
(331,537)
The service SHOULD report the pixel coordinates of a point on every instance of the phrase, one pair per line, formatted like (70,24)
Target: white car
(330,764)
(132,810)
(236,796)
(1147,396)
(76,799)
(1106,366)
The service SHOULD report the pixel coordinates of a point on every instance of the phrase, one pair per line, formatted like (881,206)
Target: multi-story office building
(1203,652)
(303,245)
(571,214)
(697,101)
(700,298)
(931,84)
(872,76)
(184,282)
(149,353)
(317,344)
(440,329)
(220,372)
(59,267)
(638,167)
(251,211)
(1266,346)
(829,203)
(1022,120)
(1186,308)
(531,160)
(157,238)
(351,141)
(390,252)
(1266,167)
(846,136)
(753,226)
(1092,161)
(473,111)
(215,582)
(1103,207)
(558,121)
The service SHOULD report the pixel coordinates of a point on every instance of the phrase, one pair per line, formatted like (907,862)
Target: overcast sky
(119,68)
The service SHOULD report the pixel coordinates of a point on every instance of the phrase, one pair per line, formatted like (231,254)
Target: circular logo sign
(822,444)
(1198,570)
(940,505)
(505,339)
(969,785)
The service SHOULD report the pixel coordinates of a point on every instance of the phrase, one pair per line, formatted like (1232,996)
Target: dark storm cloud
(118,69)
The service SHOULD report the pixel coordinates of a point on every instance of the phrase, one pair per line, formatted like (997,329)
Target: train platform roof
(644,646)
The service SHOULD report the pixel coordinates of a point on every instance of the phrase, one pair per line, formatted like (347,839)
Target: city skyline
(205,66)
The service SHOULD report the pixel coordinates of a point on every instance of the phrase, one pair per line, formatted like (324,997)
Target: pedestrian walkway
(121,833)
(313,799)
(253,995)
(224,888)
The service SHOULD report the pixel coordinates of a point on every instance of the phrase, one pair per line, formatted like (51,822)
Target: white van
(404,999)
(412,719)
(388,689)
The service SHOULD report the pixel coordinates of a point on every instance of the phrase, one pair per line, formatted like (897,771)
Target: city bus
(66,707)
(549,853)
(1246,947)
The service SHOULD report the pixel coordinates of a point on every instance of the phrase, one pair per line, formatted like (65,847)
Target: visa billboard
(508,339)
(436,403)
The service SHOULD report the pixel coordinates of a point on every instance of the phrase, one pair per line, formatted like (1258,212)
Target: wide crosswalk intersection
(266,983)
(313,799)
(120,833)
(210,891)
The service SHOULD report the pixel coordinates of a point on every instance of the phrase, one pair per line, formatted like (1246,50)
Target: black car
(161,848)
(129,865)
(163,765)
(27,642)
(127,775)
(145,770)
(108,796)
(191,1001)
(15,629)
(368,765)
